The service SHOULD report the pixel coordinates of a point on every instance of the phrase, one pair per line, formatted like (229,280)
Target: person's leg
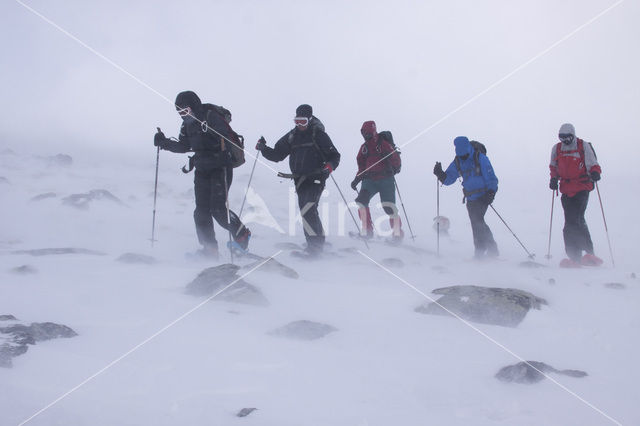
(218,196)
(585,243)
(482,236)
(572,231)
(363,198)
(309,192)
(202,212)
(388,199)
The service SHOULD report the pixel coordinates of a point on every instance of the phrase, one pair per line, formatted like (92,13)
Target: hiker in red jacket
(378,162)
(575,166)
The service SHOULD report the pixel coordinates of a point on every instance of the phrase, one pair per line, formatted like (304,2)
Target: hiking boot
(568,263)
(590,260)
(243,238)
(492,251)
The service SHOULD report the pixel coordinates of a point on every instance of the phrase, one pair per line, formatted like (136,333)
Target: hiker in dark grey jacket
(213,170)
(312,158)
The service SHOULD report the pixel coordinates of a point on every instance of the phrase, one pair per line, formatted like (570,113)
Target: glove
(437,170)
(356,181)
(595,176)
(158,139)
(396,170)
(553,184)
(489,196)
(262,144)
(326,170)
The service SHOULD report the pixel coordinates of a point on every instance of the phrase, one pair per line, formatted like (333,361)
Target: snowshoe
(568,263)
(237,249)
(590,260)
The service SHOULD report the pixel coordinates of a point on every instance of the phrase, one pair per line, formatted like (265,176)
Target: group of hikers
(217,149)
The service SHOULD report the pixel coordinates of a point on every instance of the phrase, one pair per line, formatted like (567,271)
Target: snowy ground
(385,365)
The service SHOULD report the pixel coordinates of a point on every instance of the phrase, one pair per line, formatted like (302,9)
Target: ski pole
(155,195)
(404,210)
(249,184)
(226,202)
(531,256)
(438,216)
(350,213)
(553,193)
(605,224)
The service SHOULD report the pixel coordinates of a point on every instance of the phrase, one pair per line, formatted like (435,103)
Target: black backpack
(478,148)
(237,147)
(387,136)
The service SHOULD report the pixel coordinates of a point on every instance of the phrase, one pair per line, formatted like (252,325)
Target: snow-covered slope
(385,364)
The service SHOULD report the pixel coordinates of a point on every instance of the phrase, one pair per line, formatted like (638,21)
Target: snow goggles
(184,111)
(301,121)
(566,137)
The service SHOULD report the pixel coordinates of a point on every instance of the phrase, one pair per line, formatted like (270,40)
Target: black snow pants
(211,203)
(309,190)
(575,232)
(483,240)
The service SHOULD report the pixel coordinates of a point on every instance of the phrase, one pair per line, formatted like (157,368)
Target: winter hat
(188,99)
(304,110)
(463,146)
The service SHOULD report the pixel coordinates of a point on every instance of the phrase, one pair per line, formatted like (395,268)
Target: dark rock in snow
(4,180)
(615,286)
(392,262)
(63,250)
(60,160)
(44,196)
(8,318)
(506,307)
(552,281)
(273,265)
(15,338)
(213,280)
(24,270)
(136,258)
(303,330)
(532,372)
(245,412)
(82,201)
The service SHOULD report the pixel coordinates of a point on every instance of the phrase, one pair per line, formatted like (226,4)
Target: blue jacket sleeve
(490,178)
(452,174)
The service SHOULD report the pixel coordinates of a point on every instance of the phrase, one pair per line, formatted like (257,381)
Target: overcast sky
(405,65)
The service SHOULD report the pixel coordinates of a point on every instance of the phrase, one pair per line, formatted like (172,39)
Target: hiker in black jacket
(200,133)
(312,158)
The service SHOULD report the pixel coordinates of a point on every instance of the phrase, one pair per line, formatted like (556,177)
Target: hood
(463,146)
(567,128)
(188,99)
(369,131)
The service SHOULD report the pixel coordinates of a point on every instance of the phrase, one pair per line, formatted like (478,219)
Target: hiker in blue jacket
(479,186)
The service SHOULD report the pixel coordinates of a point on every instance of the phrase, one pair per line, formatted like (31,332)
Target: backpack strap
(476,162)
